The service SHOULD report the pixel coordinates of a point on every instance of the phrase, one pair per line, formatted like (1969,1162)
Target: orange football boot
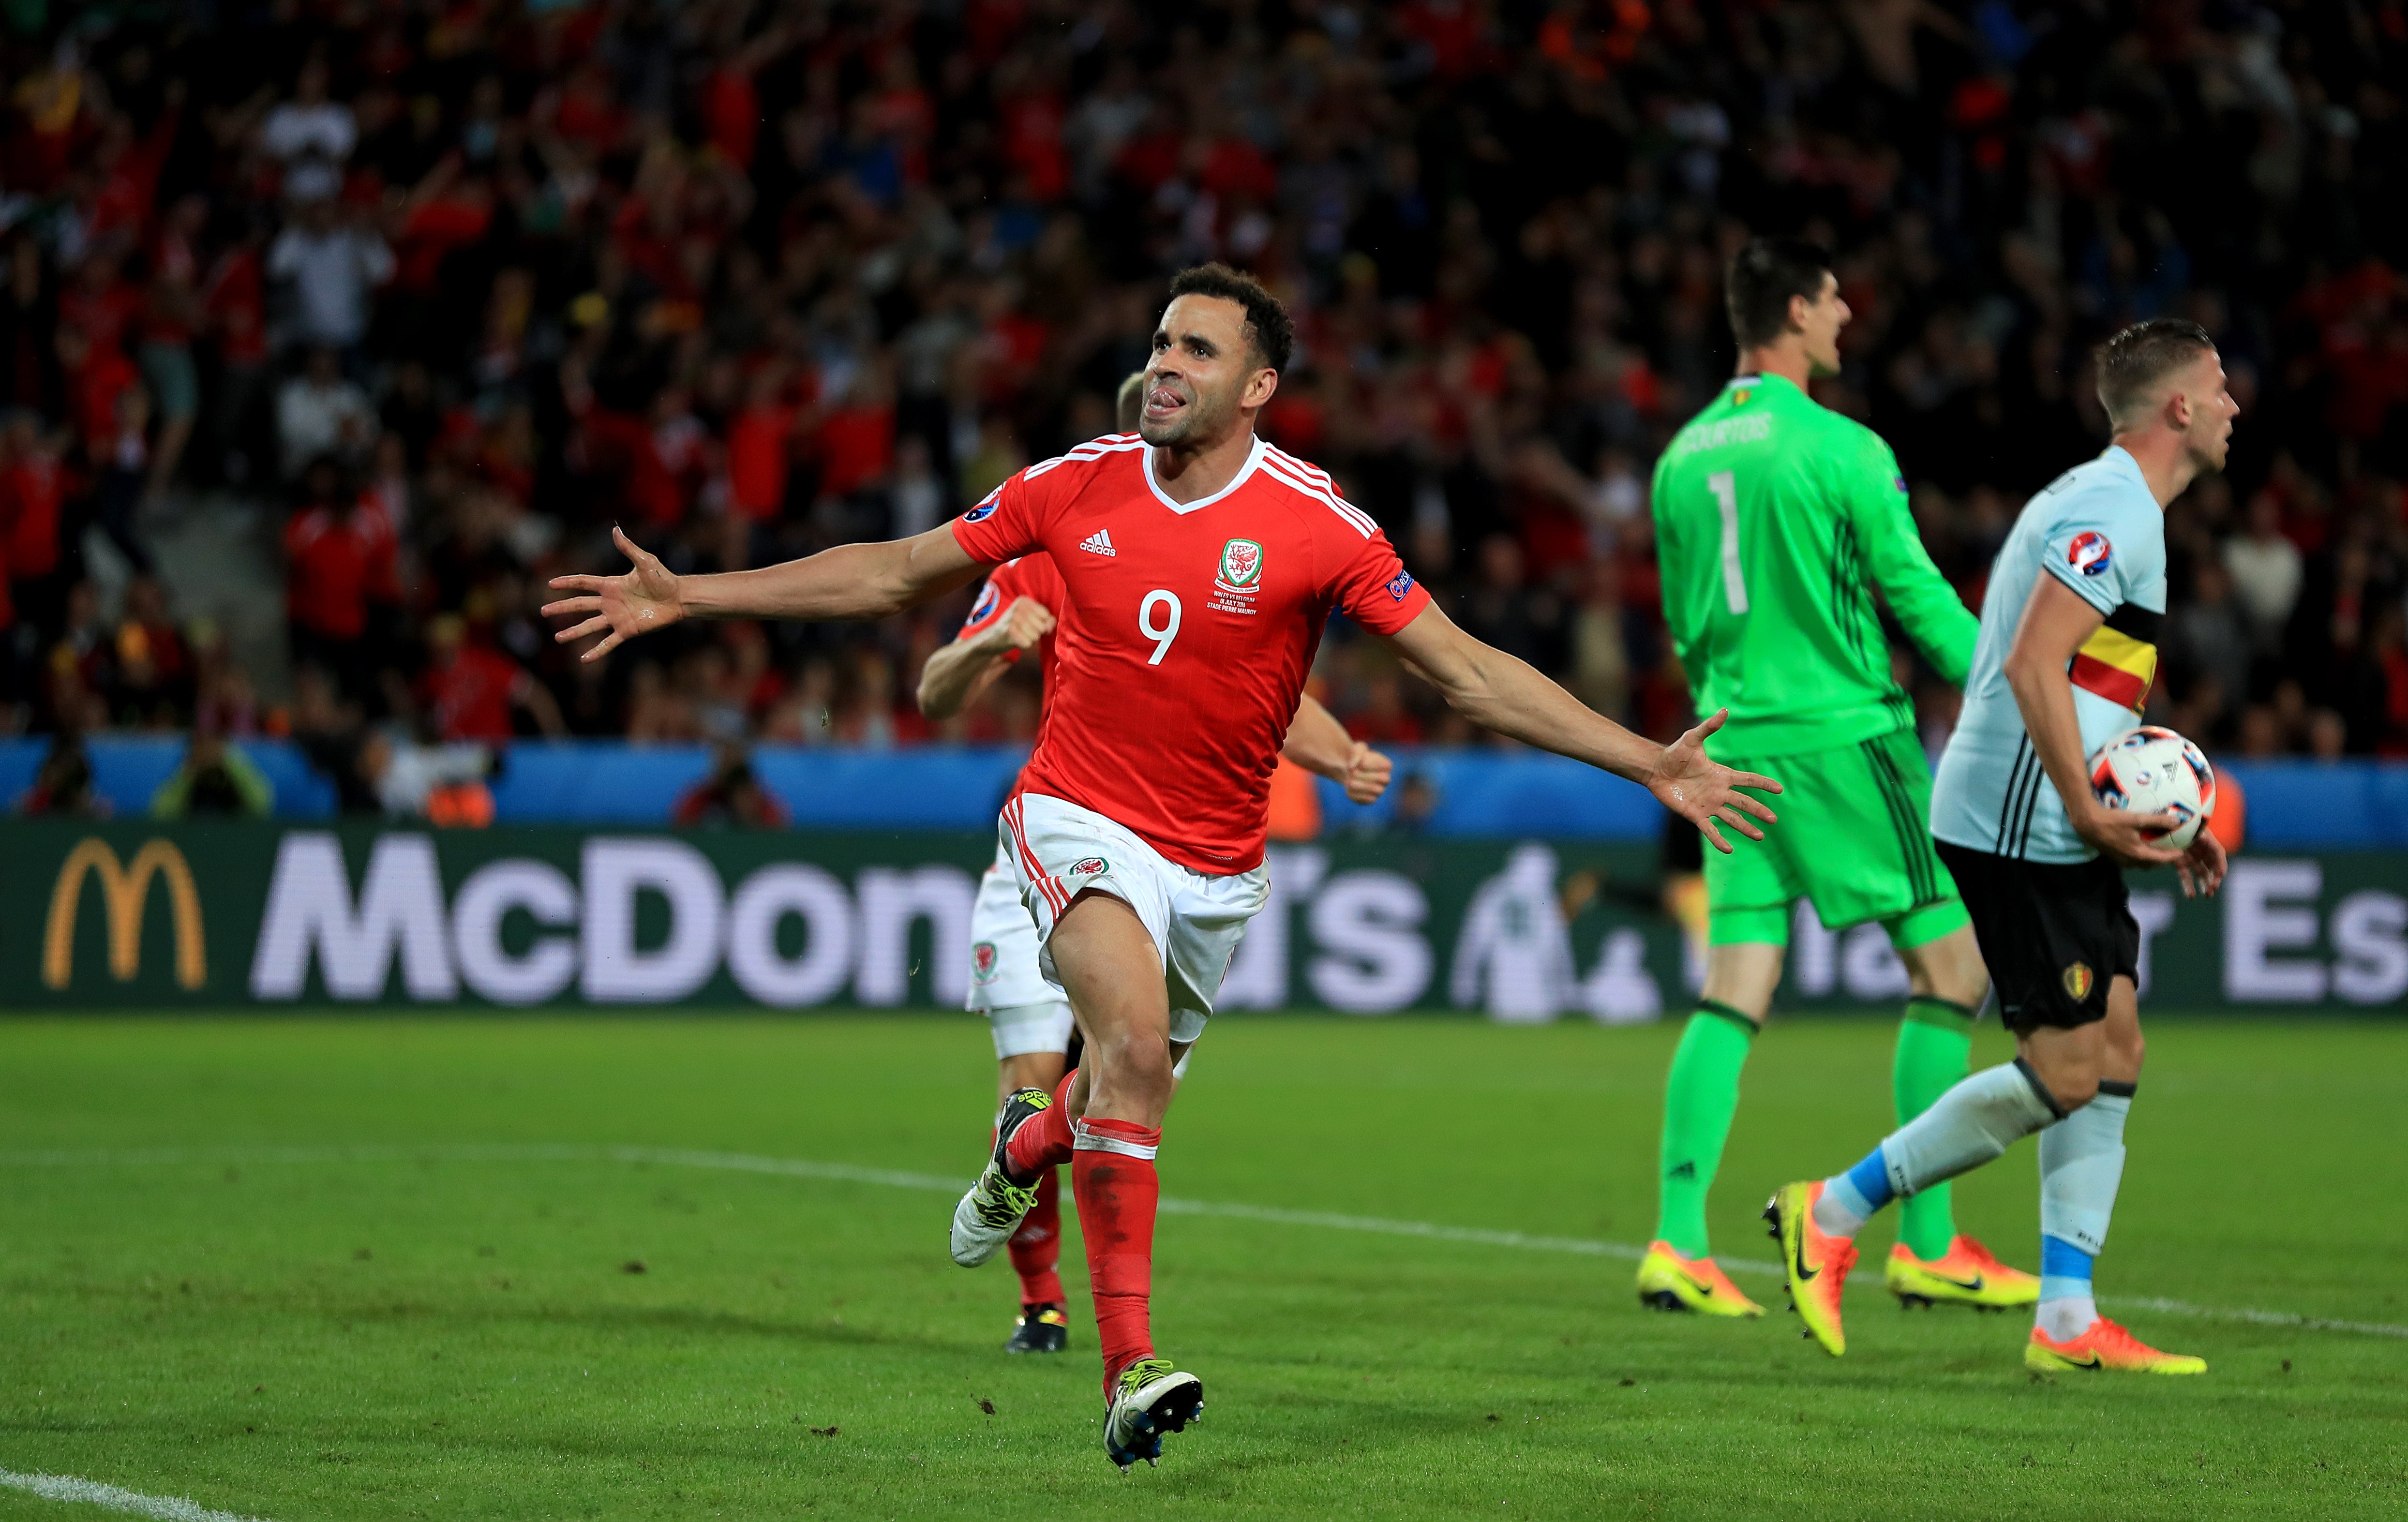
(1966,1274)
(1817,1262)
(2105,1345)
(1670,1282)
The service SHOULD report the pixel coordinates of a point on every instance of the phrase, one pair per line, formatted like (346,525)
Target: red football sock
(1112,1175)
(1043,1139)
(1036,1246)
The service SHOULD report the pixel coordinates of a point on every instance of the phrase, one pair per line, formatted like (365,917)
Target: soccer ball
(2154,770)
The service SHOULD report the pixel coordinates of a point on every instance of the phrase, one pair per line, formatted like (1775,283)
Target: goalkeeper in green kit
(1776,519)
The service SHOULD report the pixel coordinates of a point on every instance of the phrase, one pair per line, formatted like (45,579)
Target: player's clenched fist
(1366,774)
(639,601)
(1702,791)
(1021,627)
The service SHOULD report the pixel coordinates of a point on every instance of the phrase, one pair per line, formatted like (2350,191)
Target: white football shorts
(1058,850)
(1027,1013)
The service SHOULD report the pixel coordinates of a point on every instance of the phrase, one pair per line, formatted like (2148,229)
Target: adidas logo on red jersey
(1100,542)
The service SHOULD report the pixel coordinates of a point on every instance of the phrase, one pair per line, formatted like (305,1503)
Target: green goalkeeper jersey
(1775,519)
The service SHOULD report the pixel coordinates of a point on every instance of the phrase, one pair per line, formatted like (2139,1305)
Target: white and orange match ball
(2154,770)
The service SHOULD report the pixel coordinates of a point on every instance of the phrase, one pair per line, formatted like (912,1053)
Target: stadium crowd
(457,286)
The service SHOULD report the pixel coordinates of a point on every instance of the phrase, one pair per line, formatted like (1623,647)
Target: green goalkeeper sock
(1935,1045)
(1699,1098)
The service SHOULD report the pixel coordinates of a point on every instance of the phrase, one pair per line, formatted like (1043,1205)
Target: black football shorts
(2054,934)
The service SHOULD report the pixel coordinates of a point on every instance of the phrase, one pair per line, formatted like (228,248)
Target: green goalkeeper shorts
(1854,840)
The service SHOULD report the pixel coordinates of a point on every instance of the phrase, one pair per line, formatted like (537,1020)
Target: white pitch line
(93,1493)
(802,1167)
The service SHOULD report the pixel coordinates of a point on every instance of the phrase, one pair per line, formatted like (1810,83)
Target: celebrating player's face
(1202,373)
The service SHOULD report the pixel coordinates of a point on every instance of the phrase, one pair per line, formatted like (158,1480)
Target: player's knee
(1952,969)
(2071,1091)
(1136,1062)
(1965,982)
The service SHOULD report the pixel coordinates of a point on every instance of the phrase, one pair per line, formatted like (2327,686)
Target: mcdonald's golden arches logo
(123,890)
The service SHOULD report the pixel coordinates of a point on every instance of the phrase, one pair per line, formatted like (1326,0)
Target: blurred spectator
(213,778)
(63,787)
(731,797)
(1601,659)
(223,698)
(155,681)
(329,265)
(1502,609)
(1382,719)
(33,493)
(339,557)
(2328,735)
(918,498)
(318,413)
(2265,567)
(1416,805)
(411,781)
(472,691)
(122,467)
(171,314)
(31,379)
(329,732)
(2208,641)
(310,127)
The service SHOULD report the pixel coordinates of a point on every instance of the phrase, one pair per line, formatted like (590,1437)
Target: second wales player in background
(1776,519)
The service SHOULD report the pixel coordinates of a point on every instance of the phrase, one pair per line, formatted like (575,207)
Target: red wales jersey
(1186,631)
(1030,576)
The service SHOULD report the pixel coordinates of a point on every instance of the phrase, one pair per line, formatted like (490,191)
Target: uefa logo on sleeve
(2090,554)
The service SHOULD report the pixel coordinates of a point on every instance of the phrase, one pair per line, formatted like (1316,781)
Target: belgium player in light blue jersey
(2066,657)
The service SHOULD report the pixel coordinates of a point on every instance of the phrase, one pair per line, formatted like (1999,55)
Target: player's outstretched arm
(969,666)
(2056,620)
(1319,743)
(1498,692)
(851,581)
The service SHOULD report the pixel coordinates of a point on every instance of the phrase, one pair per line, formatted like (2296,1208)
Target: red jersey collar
(1253,458)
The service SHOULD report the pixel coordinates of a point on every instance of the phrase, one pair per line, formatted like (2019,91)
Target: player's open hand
(622,606)
(1022,625)
(1366,774)
(1703,791)
(2202,866)
(2130,839)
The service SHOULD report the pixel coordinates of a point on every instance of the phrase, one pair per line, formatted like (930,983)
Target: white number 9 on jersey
(1164,634)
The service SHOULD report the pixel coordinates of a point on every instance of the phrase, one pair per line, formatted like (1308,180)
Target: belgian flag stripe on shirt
(2119,661)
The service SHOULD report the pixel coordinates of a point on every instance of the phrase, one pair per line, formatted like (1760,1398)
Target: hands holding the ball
(2133,841)
(2202,866)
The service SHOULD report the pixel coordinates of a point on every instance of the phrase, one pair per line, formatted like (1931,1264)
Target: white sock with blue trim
(2081,1166)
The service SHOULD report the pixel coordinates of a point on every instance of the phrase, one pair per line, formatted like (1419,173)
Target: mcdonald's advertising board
(223,916)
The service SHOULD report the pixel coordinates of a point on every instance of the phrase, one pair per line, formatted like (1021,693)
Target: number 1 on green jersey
(1726,492)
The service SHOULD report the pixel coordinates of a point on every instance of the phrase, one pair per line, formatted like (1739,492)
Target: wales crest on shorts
(983,962)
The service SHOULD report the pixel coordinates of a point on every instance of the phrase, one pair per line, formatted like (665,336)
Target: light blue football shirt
(2097,529)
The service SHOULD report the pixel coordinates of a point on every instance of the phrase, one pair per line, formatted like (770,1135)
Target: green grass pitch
(378,1267)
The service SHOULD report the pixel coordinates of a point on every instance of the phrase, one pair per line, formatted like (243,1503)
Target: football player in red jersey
(1198,565)
(1028,1017)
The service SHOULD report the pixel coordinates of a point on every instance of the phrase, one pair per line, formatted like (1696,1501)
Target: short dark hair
(1269,329)
(1763,276)
(2131,363)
